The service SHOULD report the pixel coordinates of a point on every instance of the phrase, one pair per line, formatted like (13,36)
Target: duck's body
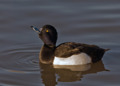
(69,53)
(76,54)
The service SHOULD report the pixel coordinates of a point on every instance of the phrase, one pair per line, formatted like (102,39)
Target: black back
(65,50)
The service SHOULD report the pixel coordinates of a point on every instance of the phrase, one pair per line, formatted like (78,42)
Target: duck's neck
(46,55)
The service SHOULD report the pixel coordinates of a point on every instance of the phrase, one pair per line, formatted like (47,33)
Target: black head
(47,34)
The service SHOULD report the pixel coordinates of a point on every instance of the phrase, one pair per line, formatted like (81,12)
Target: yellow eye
(47,30)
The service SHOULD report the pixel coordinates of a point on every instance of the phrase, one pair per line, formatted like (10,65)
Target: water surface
(84,21)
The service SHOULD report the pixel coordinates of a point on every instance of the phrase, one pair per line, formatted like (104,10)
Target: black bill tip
(31,26)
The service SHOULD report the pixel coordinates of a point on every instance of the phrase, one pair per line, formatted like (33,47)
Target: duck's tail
(106,50)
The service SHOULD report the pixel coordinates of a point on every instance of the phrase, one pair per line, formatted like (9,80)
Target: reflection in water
(67,73)
(48,75)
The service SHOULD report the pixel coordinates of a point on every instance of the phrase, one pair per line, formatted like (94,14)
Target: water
(91,22)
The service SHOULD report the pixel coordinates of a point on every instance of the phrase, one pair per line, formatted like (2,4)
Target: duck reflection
(53,74)
(48,75)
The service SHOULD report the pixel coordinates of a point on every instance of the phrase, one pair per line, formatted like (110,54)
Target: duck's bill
(35,29)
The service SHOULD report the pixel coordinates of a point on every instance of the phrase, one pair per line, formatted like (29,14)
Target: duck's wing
(65,50)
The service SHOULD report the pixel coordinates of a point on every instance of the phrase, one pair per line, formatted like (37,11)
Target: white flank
(78,59)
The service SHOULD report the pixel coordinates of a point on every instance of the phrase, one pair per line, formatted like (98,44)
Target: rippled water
(85,21)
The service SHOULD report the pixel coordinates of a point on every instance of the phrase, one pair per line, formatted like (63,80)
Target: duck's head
(47,34)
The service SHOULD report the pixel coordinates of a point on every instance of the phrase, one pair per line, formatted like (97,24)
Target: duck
(67,53)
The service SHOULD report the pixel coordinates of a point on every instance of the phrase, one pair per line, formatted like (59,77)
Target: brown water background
(86,21)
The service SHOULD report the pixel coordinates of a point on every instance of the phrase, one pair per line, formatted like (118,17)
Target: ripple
(21,59)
